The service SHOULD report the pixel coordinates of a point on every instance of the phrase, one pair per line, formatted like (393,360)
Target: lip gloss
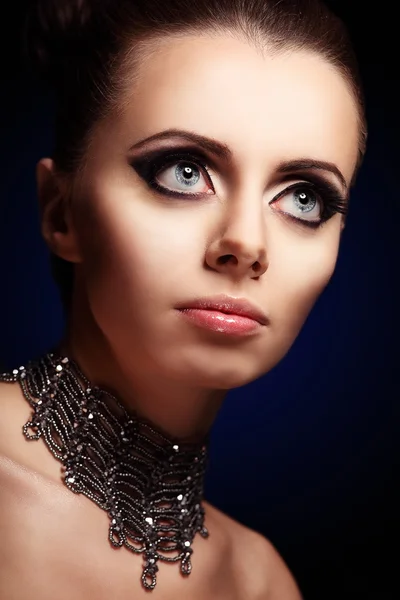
(220,322)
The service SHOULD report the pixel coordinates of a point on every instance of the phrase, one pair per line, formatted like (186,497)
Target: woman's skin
(139,254)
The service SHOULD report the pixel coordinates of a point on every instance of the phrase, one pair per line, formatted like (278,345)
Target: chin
(220,376)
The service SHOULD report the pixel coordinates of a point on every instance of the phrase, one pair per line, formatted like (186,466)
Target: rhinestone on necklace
(150,485)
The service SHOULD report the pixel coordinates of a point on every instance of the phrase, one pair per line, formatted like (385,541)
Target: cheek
(135,257)
(298,273)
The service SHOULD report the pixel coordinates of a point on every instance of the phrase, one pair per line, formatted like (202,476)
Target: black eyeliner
(164,156)
(153,162)
(320,182)
(332,200)
(148,166)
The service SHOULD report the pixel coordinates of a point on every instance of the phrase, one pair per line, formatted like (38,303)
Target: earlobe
(56,221)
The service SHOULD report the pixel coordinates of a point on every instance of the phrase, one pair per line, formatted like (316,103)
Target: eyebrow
(215,147)
(224,152)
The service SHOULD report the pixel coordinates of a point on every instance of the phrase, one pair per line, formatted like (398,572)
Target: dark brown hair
(88,49)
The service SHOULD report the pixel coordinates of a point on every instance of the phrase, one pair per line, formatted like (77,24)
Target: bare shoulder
(259,569)
(274,578)
(31,455)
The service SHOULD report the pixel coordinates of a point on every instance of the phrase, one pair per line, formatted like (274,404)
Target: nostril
(222,260)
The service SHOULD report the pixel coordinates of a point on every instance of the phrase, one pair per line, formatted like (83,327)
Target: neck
(150,485)
(181,410)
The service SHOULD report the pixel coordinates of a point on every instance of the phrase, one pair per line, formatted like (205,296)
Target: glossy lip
(228,305)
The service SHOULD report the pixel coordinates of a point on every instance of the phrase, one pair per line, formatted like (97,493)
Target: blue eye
(310,204)
(300,202)
(184,173)
(182,176)
(176,174)
(305,200)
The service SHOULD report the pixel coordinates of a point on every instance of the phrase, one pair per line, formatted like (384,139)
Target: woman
(193,208)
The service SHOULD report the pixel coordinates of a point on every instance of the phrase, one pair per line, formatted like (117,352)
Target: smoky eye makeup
(315,187)
(305,187)
(151,164)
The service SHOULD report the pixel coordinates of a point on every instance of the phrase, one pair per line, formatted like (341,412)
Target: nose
(239,248)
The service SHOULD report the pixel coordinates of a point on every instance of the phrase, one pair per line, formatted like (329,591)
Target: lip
(228,305)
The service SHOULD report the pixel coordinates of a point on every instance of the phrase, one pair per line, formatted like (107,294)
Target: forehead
(264,106)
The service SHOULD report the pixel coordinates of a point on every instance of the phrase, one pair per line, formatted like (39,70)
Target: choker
(150,485)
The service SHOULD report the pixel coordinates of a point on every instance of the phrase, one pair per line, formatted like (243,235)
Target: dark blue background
(308,454)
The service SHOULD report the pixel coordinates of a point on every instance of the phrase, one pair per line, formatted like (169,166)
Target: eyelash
(331,200)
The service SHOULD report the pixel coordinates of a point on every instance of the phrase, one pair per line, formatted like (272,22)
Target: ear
(56,221)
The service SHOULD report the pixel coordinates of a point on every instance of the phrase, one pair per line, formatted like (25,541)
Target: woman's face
(221,220)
